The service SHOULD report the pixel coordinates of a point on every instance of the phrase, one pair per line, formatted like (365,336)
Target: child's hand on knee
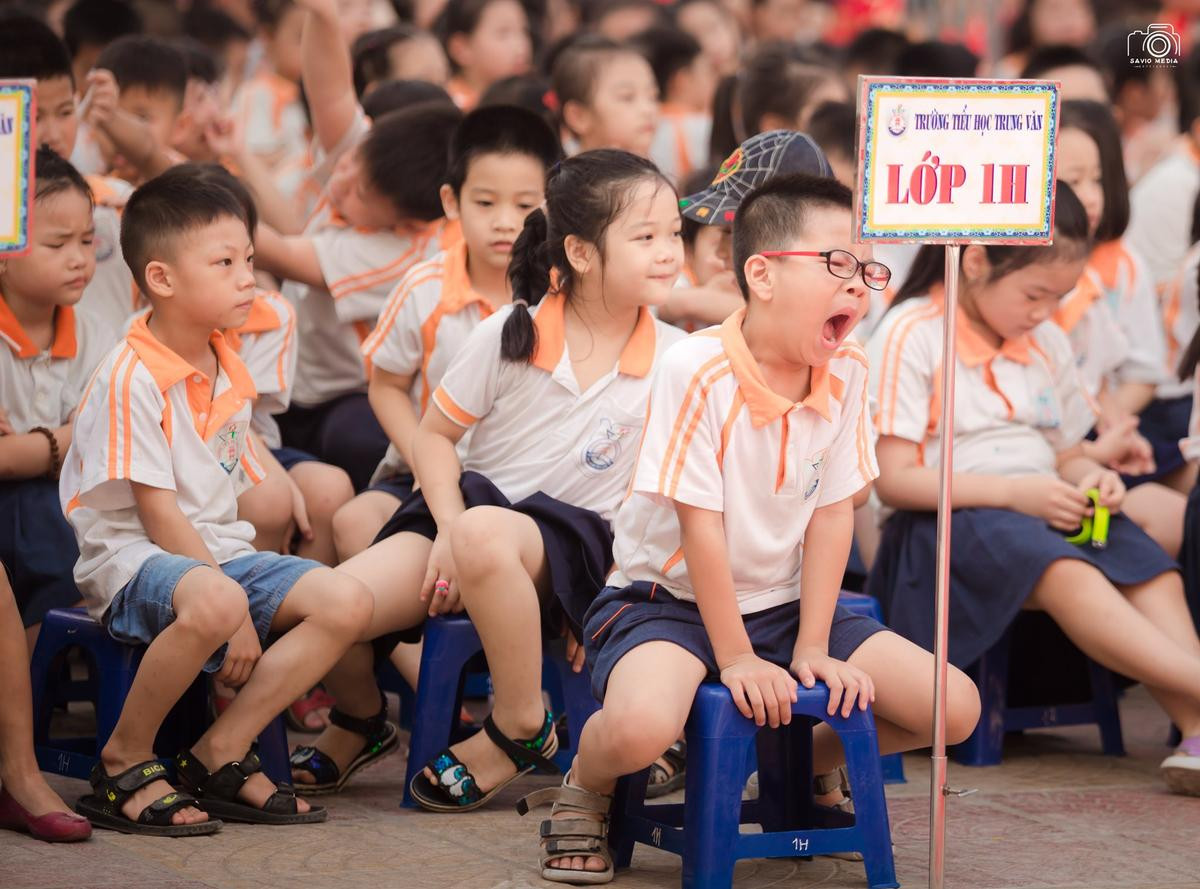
(761,690)
(847,683)
(240,657)
(440,587)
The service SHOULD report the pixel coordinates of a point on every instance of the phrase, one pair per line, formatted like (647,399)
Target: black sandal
(663,782)
(455,789)
(382,737)
(109,792)
(218,792)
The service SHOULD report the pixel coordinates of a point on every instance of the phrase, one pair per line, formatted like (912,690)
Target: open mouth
(835,329)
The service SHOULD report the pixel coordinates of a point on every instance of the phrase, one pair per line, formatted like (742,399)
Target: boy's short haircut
(396,95)
(1047,58)
(500,129)
(774,215)
(167,208)
(198,59)
(937,58)
(218,175)
(669,49)
(98,23)
(54,174)
(832,127)
(876,49)
(148,62)
(405,157)
(370,57)
(28,48)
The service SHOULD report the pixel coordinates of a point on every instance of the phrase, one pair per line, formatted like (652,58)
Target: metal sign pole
(938,788)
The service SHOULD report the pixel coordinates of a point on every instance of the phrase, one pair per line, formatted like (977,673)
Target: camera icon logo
(1159,43)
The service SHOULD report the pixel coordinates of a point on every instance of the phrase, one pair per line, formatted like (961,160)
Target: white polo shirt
(266,343)
(532,429)
(42,388)
(1127,287)
(1181,318)
(1161,210)
(147,417)
(1100,346)
(426,321)
(1015,407)
(111,296)
(719,438)
(361,268)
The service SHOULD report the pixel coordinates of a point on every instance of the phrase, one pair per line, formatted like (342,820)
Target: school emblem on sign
(898,121)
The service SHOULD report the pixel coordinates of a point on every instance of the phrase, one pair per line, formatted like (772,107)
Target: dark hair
(166,208)
(1187,86)
(727,131)
(1071,240)
(269,13)
(775,80)
(696,181)
(773,215)
(876,49)
(198,59)
(1191,355)
(1061,55)
(396,95)
(1112,47)
(529,91)
(218,175)
(1097,121)
(98,23)
(500,129)
(578,64)
(148,62)
(28,48)
(54,174)
(937,58)
(405,157)
(463,17)
(213,28)
(371,54)
(598,10)
(1020,33)
(832,127)
(584,195)
(669,50)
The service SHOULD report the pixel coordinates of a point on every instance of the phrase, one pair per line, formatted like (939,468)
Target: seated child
(47,354)
(554,400)
(606,94)
(1020,480)
(761,424)
(401,52)
(499,158)
(160,452)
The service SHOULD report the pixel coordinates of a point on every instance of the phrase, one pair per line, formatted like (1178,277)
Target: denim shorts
(143,608)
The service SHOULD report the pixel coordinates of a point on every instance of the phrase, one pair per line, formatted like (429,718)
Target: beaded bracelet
(55,458)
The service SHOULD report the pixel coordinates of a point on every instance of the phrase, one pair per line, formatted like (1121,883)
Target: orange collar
(1076,304)
(973,349)
(63,346)
(1105,261)
(261,319)
(765,404)
(457,292)
(636,358)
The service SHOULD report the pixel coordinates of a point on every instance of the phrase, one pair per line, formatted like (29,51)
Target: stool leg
(1108,717)
(627,801)
(273,751)
(712,810)
(114,688)
(870,807)
(985,747)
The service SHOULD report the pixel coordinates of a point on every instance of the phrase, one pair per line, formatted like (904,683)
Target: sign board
(17,115)
(944,161)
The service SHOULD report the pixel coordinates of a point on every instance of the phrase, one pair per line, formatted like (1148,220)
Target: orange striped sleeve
(889,371)
(451,409)
(681,417)
(114,410)
(701,403)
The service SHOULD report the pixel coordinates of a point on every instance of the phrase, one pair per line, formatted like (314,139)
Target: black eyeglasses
(842,264)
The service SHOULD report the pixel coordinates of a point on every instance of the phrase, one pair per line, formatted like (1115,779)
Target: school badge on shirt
(229,445)
(603,450)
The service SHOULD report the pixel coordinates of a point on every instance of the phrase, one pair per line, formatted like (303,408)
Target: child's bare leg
(209,607)
(268,507)
(406,658)
(1182,479)
(326,489)
(649,695)
(903,708)
(392,570)
(1158,510)
(322,614)
(356,523)
(1110,630)
(498,554)
(19,772)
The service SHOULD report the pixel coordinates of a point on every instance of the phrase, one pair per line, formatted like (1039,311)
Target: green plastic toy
(1095,527)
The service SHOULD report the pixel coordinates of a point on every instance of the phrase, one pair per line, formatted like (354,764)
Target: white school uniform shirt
(266,343)
(111,296)
(1181,317)
(719,438)
(273,120)
(1099,344)
(361,268)
(147,417)
(425,323)
(1160,203)
(532,429)
(681,142)
(1125,283)
(42,387)
(1015,406)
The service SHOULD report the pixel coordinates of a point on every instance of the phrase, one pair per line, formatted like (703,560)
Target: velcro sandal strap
(573,846)
(573,827)
(135,777)
(569,797)
(827,783)
(159,812)
(368,727)
(227,781)
(676,756)
(314,761)
(282,801)
(522,756)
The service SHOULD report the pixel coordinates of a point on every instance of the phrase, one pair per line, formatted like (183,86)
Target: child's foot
(235,789)
(114,763)
(255,790)
(1181,770)
(348,745)
(450,782)
(570,829)
(310,714)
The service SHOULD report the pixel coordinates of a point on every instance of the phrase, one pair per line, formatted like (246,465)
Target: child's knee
(350,534)
(642,729)
(347,606)
(962,706)
(213,608)
(327,491)
(479,546)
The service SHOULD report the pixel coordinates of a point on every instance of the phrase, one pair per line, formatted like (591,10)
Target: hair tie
(550,101)
(520,302)
(554,170)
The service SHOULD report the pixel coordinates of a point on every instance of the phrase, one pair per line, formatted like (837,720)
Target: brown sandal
(573,837)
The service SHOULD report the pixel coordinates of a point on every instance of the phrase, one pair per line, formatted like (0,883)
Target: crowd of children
(341,315)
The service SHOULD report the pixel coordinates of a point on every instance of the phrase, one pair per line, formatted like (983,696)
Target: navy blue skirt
(622,618)
(997,558)
(1189,554)
(38,548)
(399,486)
(1163,423)
(578,544)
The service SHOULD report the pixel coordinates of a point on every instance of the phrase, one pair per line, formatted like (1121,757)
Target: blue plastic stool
(112,666)
(704,828)
(450,649)
(986,744)
(860,603)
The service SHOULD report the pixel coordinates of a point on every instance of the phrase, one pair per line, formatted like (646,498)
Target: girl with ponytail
(514,519)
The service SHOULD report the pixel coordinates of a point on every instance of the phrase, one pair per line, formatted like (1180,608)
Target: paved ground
(1055,814)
